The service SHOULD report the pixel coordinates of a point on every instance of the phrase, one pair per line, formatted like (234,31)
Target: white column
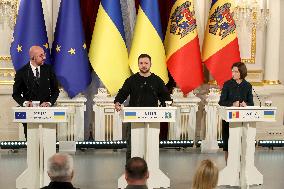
(185,126)
(108,125)
(73,130)
(47,7)
(200,10)
(273,44)
(210,144)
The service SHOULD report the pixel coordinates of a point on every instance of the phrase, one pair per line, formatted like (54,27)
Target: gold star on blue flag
(70,58)
(29,30)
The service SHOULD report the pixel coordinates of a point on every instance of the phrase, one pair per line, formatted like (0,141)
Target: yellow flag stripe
(174,42)
(146,40)
(214,41)
(108,53)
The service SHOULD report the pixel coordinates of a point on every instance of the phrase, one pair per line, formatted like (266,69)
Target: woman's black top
(232,91)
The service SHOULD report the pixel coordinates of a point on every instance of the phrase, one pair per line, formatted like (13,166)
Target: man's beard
(144,71)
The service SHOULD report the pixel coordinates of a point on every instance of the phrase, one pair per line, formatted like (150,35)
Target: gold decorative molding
(271,82)
(257,83)
(251,60)
(255,71)
(5,58)
(255,77)
(7,82)
(212,82)
(15,6)
(8,74)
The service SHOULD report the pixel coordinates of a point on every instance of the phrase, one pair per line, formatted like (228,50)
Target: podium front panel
(248,114)
(40,114)
(148,114)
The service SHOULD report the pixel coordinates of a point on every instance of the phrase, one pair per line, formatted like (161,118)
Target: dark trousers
(128,141)
(25,125)
(225,134)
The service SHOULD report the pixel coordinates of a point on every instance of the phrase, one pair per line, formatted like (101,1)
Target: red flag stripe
(185,66)
(220,63)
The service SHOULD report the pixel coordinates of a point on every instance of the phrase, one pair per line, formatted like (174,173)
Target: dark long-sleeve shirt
(143,91)
(232,91)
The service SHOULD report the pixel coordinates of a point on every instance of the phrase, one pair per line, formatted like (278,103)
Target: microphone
(257,97)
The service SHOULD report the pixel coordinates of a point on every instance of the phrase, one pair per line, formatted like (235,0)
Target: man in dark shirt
(145,90)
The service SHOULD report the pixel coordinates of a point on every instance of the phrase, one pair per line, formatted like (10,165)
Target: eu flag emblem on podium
(20,115)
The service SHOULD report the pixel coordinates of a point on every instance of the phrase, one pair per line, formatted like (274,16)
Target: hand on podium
(243,104)
(117,106)
(45,104)
(236,103)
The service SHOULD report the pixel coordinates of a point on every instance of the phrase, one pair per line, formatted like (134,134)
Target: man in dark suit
(60,171)
(35,82)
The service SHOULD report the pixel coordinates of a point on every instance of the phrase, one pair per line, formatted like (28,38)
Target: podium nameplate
(144,114)
(42,115)
(248,114)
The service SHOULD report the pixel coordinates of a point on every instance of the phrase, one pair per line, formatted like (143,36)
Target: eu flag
(29,30)
(69,53)
(20,115)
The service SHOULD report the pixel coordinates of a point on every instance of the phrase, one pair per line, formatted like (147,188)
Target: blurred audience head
(60,168)
(206,176)
(136,171)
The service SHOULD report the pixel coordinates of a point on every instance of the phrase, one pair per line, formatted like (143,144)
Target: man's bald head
(60,167)
(37,55)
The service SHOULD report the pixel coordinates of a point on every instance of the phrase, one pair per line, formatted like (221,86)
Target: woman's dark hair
(242,69)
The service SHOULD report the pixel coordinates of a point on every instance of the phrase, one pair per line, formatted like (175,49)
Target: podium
(145,129)
(41,142)
(240,169)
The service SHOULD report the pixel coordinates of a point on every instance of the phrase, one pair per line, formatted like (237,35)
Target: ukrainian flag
(269,114)
(220,47)
(59,115)
(130,115)
(148,38)
(108,53)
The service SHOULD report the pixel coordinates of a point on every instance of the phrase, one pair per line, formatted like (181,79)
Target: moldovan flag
(220,47)
(108,53)
(182,47)
(148,39)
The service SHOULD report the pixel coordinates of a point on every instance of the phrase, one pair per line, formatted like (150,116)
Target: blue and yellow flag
(148,38)
(108,53)
(29,31)
(69,53)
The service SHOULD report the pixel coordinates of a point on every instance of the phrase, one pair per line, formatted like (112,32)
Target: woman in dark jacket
(236,92)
